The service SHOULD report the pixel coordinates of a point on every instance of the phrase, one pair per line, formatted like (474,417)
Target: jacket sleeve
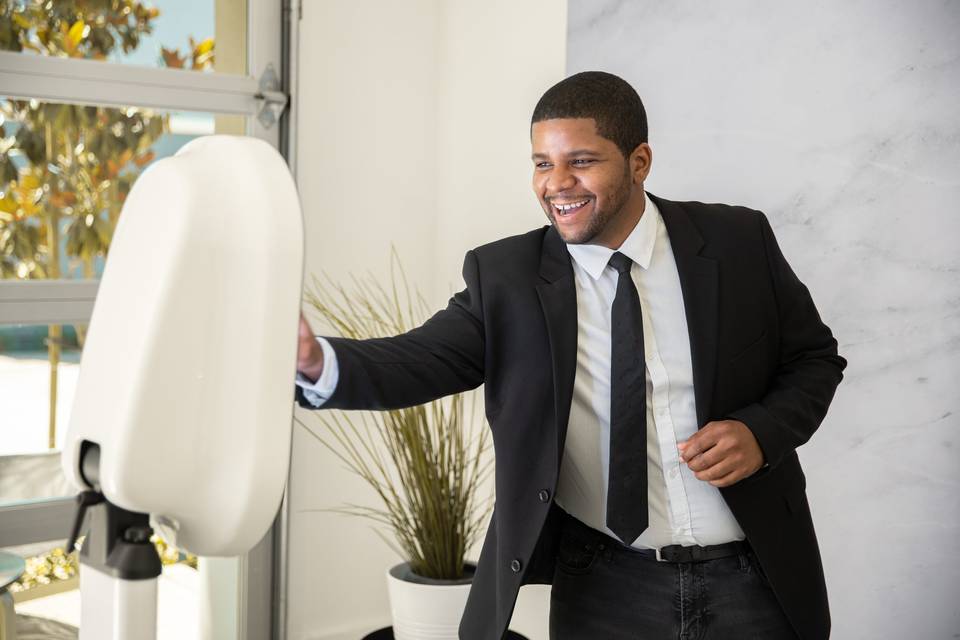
(443,356)
(809,369)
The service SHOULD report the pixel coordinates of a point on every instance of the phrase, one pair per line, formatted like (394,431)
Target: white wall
(414,124)
(367,178)
(498,57)
(839,120)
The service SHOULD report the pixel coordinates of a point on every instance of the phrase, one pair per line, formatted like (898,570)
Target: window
(209,35)
(93,93)
(68,169)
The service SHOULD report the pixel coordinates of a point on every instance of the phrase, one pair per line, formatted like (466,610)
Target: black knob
(515,566)
(544,495)
(137,535)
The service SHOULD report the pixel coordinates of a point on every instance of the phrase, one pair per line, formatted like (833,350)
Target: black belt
(672,553)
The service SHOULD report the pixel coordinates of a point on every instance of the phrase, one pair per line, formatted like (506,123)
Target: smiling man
(584,181)
(650,368)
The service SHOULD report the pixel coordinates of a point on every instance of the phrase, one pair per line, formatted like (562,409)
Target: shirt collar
(638,246)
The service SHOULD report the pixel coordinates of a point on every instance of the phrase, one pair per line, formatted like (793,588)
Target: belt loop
(743,560)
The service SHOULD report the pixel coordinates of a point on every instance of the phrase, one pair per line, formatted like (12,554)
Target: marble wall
(840,121)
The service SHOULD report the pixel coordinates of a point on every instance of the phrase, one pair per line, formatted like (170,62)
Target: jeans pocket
(757,570)
(576,557)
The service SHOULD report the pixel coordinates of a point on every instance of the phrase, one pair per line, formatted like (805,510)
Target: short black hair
(610,100)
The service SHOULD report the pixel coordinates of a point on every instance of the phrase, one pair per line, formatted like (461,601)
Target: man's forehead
(565,124)
(567,136)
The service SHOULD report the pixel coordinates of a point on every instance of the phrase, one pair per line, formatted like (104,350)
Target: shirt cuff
(320,391)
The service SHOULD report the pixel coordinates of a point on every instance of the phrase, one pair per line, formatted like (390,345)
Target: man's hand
(309,352)
(722,453)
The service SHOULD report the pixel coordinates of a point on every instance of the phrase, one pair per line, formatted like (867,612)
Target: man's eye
(543,165)
(582,161)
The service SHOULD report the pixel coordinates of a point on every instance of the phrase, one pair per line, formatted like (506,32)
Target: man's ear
(640,161)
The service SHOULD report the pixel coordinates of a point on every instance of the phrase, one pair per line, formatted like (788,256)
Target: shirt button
(544,495)
(515,566)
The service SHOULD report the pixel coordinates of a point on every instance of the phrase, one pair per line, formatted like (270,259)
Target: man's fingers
(718,470)
(309,351)
(729,479)
(722,453)
(305,330)
(699,442)
(706,459)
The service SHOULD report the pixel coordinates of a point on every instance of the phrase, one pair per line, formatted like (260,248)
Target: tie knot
(620,262)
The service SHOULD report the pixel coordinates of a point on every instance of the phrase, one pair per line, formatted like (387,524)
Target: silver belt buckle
(659,557)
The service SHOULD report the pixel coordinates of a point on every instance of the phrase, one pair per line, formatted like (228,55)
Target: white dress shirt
(682,509)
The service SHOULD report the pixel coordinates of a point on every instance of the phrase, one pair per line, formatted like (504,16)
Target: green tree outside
(65,170)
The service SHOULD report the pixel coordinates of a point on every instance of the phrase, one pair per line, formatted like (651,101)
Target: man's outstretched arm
(441,357)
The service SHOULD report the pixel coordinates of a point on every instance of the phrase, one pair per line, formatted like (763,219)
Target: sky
(178,20)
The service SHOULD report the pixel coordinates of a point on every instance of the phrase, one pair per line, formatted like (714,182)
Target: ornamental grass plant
(427,463)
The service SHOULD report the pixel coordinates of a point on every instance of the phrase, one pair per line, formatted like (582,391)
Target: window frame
(47,301)
(272,30)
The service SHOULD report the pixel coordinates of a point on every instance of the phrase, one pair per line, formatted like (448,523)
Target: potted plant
(425,463)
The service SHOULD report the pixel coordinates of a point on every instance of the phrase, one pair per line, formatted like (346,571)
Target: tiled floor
(33,628)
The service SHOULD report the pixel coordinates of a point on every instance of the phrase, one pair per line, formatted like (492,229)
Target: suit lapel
(699,282)
(558,297)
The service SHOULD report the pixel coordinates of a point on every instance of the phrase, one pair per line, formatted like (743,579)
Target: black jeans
(603,590)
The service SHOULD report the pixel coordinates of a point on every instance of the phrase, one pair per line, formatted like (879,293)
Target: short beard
(601,217)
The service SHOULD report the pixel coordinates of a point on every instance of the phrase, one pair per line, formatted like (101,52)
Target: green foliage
(74,28)
(56,565)
(200,56)
(425,463)
(66,169)
(76,166)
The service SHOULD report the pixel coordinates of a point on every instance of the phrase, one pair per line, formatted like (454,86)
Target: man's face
(582,180)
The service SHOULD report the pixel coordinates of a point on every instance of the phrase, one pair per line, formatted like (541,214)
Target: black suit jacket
(761,354)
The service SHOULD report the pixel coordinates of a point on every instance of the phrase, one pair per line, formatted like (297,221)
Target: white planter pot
(425,609)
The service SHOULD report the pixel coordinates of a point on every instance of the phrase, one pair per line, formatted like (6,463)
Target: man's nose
(560,179)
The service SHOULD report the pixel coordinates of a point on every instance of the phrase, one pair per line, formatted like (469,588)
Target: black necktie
(627,486)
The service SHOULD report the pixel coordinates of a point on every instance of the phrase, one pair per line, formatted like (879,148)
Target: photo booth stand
(182,417)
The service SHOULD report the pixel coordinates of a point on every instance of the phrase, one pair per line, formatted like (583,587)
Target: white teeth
(571,206)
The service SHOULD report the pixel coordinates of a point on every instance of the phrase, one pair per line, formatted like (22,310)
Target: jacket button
(544,495)
(515,566)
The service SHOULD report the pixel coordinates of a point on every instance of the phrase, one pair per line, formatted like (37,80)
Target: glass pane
(47,597)
(38,374)
(207,35)
(65,172)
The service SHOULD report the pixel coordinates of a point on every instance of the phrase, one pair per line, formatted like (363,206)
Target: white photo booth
(181,422)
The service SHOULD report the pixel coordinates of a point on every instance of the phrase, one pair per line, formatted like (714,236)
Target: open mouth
(564,209)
